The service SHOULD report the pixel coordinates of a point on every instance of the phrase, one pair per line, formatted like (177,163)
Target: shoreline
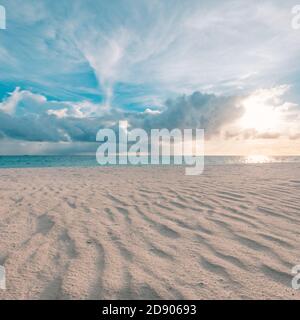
(150,166)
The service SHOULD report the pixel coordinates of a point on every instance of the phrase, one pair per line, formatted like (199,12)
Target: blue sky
(68,68)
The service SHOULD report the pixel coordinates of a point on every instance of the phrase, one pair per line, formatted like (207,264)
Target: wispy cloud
(68,67)
(178,46)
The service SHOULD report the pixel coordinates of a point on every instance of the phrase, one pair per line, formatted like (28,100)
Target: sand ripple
(149,233)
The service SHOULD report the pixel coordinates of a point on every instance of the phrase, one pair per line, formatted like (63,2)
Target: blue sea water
(90,161)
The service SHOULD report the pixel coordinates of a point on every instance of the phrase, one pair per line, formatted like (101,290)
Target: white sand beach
(150,233)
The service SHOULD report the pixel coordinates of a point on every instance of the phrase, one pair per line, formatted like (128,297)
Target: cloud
(31,120)
(15,147)
(205,111)
(152,112)
(83,65)
(32,117)
(114,50)
(17,98)
(268,114)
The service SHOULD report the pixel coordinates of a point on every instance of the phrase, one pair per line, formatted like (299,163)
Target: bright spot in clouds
(260,113)
(68,70)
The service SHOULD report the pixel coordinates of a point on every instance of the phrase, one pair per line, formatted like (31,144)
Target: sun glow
(260,115)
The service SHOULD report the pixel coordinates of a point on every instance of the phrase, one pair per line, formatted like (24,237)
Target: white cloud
(10,104)
(267,115)
(62,113)
(153,50)
(176,47)
(152,112)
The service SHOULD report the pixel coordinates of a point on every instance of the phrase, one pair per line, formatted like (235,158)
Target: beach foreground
(150,233)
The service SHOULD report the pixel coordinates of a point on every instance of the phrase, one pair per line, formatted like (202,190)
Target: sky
(69,68)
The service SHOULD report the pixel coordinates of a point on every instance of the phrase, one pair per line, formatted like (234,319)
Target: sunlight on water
(258,159)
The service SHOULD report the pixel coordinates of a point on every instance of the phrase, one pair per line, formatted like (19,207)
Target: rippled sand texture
(150,233)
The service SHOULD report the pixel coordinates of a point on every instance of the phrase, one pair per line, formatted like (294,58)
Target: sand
(150,233)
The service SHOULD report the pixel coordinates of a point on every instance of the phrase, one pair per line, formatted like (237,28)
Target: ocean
(90,161)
